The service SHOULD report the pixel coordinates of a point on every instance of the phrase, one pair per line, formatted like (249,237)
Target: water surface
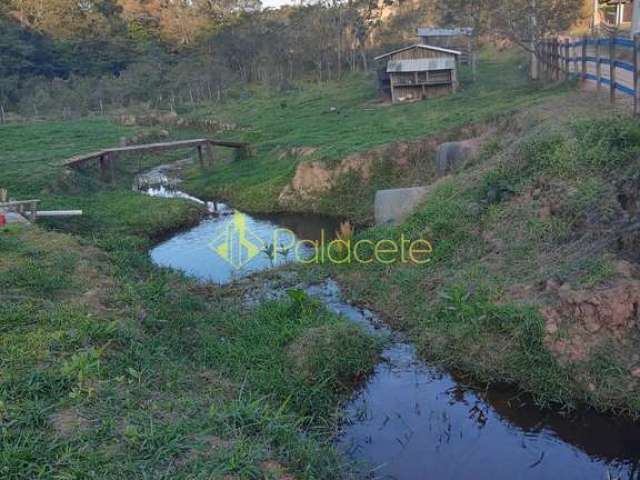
(412,421)
(195,251)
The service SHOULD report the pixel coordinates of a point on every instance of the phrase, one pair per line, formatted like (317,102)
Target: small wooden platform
(24,208)
(104,157)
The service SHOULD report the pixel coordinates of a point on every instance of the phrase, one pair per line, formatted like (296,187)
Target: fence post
(545,54)
(558,58)
(552,67)
(612,69)
(584,59)
(34,211)
(635,74)
(566,59)
(554,58)
(598,65)
(548,59)
(541,59)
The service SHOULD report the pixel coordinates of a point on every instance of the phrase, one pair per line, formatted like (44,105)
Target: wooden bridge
(105,157)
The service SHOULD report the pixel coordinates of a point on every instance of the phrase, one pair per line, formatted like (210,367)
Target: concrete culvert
(393,206)
(451,156)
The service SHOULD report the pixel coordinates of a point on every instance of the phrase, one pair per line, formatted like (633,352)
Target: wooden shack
(460,39)
(615,13)
(417,72)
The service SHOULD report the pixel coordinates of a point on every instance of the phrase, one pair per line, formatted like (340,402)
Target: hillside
(534,276)
(343,120)
(113,367)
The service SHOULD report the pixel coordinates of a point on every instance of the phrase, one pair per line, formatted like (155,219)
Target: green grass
(477,305)
(111,368)
(141,376)
(31,157)
(342,118)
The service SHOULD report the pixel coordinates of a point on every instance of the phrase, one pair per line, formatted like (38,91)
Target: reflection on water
(412,421)
(215,250)
(194,251)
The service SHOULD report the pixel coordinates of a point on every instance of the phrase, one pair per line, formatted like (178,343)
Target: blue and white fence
(610,62)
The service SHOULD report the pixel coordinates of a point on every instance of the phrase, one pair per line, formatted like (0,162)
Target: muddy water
(412,421)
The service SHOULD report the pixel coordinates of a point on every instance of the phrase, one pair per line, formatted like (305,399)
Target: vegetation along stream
(412,420)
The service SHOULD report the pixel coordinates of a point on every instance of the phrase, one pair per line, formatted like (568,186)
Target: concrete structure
(391,207)
(417,72)
(451,156)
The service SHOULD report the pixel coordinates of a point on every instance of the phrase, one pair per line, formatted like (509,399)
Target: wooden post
(612,69)
(567,72)
(635,73)
(103,165)
(552,58)
(556,51)
(200,158)
(598,65)
(584,59)
(106,167)
(547,60)
(34,211)
(543,59)
(111,160)
(210,154)
(2,119)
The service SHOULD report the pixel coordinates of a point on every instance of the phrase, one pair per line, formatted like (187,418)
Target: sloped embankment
(347,187)
(535,274)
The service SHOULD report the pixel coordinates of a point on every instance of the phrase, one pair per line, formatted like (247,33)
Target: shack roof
(421,65)
(419,45)
(444,32)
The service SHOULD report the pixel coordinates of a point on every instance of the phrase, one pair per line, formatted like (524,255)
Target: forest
(68,58)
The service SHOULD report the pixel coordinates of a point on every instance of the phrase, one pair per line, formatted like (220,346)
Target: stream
(412,420)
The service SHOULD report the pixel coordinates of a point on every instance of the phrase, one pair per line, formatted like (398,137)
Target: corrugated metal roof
(421,65)
(444,32)
(419,45)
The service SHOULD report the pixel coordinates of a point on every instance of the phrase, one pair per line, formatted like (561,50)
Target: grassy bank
(112,368)
(513,235)
(338,119)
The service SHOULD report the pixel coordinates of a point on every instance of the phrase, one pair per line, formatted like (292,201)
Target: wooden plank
(18,203)
(220,143)
(106,154)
